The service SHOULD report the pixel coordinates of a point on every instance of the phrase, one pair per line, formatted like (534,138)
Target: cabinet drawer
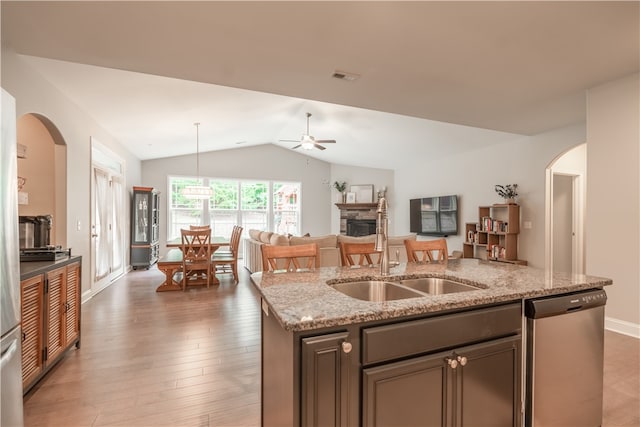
(383,343)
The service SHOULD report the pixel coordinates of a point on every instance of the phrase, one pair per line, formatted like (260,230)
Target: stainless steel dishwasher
(565,354)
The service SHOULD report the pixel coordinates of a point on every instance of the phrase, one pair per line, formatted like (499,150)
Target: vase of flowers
(509,192)
(341,187)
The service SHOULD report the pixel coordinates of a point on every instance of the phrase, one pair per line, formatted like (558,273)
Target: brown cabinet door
(32,296)
(488,392)
(325,380)
(407,393)
(71,305)
(55,316)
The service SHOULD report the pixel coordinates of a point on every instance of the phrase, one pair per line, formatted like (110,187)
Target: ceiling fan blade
(297,146)
(289,140)
(326,141)
(319,147)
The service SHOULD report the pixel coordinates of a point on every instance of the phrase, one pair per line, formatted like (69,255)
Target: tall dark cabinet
(145,230)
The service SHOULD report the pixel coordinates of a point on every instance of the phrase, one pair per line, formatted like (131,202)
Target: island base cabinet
(325,380)
(475,385)
(407,393)
(309,378)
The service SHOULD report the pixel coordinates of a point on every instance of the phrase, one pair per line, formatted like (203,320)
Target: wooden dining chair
(236,232)
(196,257)
(349,252)
(199,227)
(227,262)
(426,250)
(290,258)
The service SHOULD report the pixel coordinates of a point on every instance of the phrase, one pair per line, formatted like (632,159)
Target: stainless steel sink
(376,291)
(436,286)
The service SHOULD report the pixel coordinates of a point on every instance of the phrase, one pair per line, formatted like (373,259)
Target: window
(262,205)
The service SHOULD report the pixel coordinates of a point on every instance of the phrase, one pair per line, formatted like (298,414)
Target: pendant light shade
(197,191)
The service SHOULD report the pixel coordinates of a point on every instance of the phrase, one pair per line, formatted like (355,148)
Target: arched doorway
(565,206)
(43,169)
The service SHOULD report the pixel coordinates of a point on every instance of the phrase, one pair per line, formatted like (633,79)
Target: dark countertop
(303,301)
(33,268)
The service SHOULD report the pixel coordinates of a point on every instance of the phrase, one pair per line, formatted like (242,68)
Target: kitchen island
(331,359)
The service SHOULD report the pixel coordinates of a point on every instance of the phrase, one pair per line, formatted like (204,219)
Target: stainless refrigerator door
(11,414)
(9,244)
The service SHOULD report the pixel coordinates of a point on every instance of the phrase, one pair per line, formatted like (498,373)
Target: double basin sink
(380,291)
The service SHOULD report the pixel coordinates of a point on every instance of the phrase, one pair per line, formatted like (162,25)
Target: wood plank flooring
(193,359)
(158,359)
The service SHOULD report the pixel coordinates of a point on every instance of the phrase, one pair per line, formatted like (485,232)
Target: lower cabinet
(469,386)
(451,370)
(325,368)
(50,318)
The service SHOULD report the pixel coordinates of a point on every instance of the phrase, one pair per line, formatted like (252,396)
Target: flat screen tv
(434,216)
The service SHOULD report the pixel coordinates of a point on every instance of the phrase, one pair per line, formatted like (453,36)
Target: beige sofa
(329,246)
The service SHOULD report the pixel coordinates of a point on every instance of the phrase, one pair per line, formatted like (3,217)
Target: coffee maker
(35,231)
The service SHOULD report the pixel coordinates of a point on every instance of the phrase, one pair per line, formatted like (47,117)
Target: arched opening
(43,169)
(564,216)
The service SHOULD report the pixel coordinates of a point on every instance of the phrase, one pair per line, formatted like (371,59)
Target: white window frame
(206,211)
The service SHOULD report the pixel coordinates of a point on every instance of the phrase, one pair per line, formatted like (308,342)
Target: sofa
(328,246)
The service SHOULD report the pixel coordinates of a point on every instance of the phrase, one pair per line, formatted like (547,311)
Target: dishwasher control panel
(564,303)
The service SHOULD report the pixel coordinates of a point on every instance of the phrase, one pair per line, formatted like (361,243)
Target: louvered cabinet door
(32,296)
(55,312)
(71,304)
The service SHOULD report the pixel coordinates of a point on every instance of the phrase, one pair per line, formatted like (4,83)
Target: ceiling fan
(308,142)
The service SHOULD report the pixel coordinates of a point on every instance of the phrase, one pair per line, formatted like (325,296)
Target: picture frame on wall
(351,197)
(363,193)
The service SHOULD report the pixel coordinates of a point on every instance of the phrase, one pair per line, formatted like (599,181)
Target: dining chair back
(359,254)
(196,257)
(199,227)
(426,250)
(227,262)
(290,258)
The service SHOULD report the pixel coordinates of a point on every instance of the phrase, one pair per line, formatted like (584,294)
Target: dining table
(171,263)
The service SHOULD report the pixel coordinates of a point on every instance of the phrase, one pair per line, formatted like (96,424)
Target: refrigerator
(11,410)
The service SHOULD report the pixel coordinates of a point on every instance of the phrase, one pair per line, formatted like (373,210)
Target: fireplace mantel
(356,206)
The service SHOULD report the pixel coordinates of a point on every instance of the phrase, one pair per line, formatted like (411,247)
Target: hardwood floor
(151,359)
(193,359)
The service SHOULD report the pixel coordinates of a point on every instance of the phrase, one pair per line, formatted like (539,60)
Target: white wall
(613,197)
(472,175)
(261,162)
(36,95)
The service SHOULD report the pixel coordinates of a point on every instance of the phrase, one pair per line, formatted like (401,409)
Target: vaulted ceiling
(434,78)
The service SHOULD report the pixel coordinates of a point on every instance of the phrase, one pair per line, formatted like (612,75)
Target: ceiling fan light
(307,145)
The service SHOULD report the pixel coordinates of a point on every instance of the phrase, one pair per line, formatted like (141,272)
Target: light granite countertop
(304,301)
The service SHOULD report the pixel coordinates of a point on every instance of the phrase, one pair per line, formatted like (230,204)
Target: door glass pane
(118,231)
(102,241)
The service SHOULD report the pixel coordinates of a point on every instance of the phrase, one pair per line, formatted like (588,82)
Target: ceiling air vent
(343,75)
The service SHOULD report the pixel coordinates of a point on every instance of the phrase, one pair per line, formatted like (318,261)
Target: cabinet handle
(346,347)
(24,336)
(453,363)
(462,360)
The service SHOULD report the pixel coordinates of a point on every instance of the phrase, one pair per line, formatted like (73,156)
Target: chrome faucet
(382,233)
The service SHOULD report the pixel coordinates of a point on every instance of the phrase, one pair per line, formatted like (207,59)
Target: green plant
(508,191)
(340,186)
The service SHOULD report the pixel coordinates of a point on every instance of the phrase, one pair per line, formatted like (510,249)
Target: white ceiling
(249,71)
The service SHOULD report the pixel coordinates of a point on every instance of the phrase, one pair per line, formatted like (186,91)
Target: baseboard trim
(622,327)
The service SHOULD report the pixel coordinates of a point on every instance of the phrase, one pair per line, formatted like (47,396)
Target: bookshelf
(495,236)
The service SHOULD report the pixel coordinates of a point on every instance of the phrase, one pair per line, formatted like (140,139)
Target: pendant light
(197,191)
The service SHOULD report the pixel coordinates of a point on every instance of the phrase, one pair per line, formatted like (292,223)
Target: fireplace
(360,227)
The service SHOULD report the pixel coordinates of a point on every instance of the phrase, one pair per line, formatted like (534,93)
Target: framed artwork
(351,197)
(364,193)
